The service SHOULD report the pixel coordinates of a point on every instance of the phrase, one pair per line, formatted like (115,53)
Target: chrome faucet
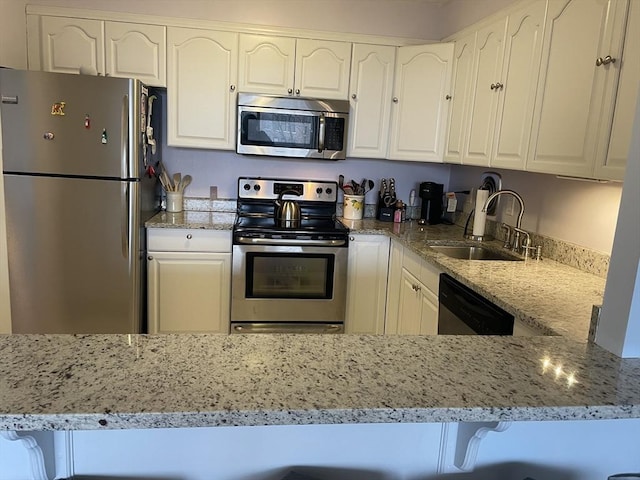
(515,246)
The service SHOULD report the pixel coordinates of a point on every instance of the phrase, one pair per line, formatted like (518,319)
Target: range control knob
(329,191)
(319,190)
(256,187)
(247,186)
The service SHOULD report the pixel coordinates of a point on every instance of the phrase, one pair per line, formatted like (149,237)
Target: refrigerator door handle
(124,137)
(124,222)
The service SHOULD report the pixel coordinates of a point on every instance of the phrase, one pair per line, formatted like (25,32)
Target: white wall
(458,14)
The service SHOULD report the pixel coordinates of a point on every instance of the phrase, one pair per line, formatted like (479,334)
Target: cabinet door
(371,86)
(625,108)
(486,87)
(428,312)
(68,44)
(136,51)
(410,308)
(189,292)
(461,92)
(367,284)
(266,64)
(516,99)
(201,88)
(420,108)
(322,69)
(575,96)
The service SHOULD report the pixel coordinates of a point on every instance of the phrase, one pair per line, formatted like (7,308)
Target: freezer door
(74,255)
(63,124)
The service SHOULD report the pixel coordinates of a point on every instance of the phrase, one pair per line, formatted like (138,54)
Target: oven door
(289,284)
(291,133)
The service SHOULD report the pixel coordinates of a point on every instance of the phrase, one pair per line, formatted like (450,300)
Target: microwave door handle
(321,131)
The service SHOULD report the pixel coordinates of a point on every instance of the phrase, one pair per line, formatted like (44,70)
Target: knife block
(384,214)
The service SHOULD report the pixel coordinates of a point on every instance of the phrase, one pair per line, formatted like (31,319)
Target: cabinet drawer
(422,270)
(188,240)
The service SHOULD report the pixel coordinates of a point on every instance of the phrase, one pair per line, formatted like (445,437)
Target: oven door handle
(289,242)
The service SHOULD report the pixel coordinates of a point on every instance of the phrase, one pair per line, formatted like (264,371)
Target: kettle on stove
(287,211)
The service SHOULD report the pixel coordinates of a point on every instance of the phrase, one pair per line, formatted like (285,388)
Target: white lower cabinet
(367,284)
(412,298)
(189,281)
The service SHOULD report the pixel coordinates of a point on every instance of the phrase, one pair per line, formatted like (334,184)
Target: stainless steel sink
(468,252)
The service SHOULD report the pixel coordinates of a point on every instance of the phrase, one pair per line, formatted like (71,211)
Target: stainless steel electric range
(289,258)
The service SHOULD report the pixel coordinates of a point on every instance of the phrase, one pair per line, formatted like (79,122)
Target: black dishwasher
(463,312)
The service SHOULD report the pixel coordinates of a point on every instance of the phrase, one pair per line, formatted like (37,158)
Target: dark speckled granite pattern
(120,381)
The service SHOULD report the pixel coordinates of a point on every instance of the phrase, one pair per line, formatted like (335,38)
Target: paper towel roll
(480,217)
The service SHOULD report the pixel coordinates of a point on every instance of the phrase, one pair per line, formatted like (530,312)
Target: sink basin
(467,252)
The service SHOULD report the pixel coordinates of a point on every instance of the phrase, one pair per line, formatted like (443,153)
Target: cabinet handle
(354,96)
(189,236)
(496,86)
(150,257)
(605,61)
(232,88)
(416,288)
(448,97)
(351,239)
(297,91)
(395,99)
(290,91)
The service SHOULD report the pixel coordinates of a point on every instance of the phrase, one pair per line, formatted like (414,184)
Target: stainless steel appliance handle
(281,327)
(124,137)
(124,218)
(287,241)
(321,133)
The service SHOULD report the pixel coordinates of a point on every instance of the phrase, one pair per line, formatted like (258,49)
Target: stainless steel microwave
(292,126)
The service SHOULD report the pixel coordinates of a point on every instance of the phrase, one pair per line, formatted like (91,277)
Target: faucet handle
(536,252)
(517,245)
(507,235)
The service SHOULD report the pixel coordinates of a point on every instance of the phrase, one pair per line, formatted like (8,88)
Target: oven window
(286,275)
(279,130)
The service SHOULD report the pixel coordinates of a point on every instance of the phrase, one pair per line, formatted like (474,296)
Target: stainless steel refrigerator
(78,188)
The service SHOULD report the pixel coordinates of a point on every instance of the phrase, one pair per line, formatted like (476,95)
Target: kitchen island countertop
(67,382)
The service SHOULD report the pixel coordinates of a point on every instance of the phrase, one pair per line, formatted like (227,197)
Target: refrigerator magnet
(104,136)
(87,122)
(58,108)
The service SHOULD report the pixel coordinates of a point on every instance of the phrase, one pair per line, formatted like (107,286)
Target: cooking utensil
(177,177)
(184,183)
(287,211)
(370,186)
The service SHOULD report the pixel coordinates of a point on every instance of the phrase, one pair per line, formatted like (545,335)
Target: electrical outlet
(510,207)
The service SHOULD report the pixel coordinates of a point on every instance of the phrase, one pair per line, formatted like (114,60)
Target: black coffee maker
(431,194)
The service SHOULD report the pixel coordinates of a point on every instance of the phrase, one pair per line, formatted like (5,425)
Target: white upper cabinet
(371,86)
(68,44)
(266,64)
(117,49)
(518,85)
(503,92)
(138,51)
(201,88)
(615,161)
(289,66)
(486,85)
(577,85)
(461,94)
(420,104)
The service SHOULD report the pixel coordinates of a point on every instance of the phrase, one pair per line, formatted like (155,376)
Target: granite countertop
(51,382)
(551,297)
(546,295)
